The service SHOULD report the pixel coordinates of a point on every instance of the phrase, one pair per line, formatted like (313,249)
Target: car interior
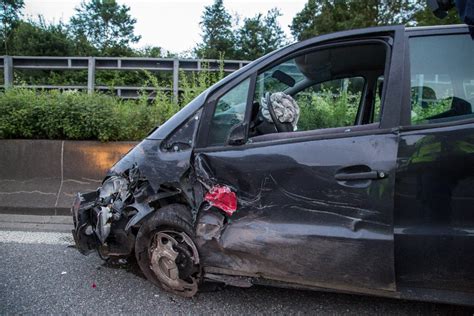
(442,80)
(309,72)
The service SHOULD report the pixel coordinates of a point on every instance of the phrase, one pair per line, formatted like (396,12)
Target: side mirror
(237,135)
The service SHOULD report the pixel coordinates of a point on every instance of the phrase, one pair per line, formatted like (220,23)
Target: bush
(26,113)
(76,115)
(324,110)
(422,111)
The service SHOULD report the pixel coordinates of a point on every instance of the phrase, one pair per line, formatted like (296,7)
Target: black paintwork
(295,220)
(374,210)
(163,159)
(434,203)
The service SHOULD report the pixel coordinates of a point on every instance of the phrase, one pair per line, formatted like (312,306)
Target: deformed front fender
(143,209)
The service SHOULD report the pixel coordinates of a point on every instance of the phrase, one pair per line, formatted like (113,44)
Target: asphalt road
(41,273)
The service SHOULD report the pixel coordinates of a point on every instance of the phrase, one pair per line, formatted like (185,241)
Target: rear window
(442,78)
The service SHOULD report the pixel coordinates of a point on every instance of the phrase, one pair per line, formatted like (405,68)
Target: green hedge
(75,115)
(26,113)
(325,110)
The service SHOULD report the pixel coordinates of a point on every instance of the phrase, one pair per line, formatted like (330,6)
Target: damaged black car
(341,163)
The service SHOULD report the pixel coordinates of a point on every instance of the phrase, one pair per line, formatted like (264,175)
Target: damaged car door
(307,144)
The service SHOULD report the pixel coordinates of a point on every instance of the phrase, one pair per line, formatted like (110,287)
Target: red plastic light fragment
(223,198)
(94,286)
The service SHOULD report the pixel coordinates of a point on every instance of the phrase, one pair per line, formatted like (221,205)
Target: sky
(170,24)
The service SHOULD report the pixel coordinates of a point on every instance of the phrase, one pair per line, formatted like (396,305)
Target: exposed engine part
(113,194)
(103,223)
(173,260)
(101,217)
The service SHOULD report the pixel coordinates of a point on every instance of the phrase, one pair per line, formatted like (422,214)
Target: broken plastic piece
(94,285)
(223,198)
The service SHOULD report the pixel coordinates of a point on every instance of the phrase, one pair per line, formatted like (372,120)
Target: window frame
(392,36)
(406,124)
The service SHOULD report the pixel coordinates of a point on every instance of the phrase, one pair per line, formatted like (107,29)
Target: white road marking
(45,238)
(28,192)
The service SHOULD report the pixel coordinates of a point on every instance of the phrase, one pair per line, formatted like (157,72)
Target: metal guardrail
(91,64)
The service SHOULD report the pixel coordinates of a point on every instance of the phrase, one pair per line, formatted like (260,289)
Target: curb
(36,223)
(35,211)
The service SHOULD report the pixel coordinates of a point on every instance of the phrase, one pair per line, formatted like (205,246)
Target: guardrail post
(8,71)
(175,79)
(91,75)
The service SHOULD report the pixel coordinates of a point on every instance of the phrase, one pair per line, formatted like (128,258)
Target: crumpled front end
(103,219)
(154,173)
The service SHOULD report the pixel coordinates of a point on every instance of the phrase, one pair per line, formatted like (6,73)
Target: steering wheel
(280,127)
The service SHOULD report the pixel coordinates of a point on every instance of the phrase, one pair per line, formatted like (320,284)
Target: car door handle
(367,175)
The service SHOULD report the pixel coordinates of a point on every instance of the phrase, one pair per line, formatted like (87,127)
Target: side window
(442,78)
(229,112)
(332,103)
(330,87)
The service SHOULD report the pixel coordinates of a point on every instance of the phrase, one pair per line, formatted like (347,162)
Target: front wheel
(166,252)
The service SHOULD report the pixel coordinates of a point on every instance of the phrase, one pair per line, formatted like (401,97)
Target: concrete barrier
(42,176)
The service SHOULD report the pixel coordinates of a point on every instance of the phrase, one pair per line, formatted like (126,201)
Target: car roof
(434,27)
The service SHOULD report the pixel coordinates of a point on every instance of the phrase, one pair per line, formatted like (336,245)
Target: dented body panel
(296,220)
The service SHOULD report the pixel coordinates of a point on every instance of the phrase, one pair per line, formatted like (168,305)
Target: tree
(218,38)
(303,25)
(10,13)
(42,39)
(383,12)
(260,35)
(320,17)
(105,24)
(150,51)
(38,38)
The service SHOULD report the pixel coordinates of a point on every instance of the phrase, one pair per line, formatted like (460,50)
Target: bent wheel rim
(167,252)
